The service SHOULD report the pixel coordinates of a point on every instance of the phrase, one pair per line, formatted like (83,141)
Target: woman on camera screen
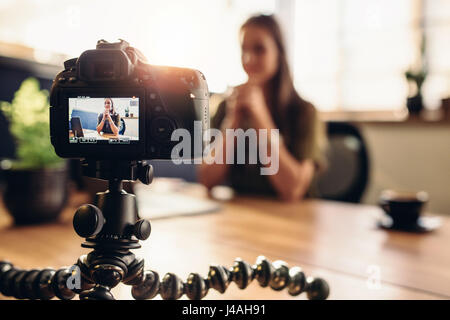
(108,121)
(268,100)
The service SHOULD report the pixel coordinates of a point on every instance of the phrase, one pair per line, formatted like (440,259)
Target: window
(352,54)
(436,14)
(201,34)
(344,54)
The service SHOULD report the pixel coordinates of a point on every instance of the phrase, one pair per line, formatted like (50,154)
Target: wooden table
(336,241)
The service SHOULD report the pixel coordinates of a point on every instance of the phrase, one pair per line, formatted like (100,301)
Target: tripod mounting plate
(118,170)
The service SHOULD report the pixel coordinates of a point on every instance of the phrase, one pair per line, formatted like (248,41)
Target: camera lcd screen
(106,120)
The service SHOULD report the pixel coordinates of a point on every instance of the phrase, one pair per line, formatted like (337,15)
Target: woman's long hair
(112,111)
(283,93)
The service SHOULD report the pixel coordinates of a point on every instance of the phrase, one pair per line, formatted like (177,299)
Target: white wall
(97,105)
(410,156)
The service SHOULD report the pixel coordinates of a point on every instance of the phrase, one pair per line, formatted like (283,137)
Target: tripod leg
(145,285)
(276,275)
(148,288)
(35,284)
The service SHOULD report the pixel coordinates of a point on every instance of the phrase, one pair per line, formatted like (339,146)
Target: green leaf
(28,114)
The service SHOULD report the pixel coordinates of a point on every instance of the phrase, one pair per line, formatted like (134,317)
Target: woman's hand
(102,123)
(233,117)
(250,100)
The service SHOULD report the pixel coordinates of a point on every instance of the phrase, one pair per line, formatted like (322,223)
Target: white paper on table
(166,200)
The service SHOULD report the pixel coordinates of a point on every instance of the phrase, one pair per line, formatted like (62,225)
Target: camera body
(111,104)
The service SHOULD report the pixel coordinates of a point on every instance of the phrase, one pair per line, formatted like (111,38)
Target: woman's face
(108,105)
(259,54)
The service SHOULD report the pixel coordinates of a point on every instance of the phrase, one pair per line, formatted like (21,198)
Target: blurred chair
(122,126)
(347,174)
(13,71)
(88,118)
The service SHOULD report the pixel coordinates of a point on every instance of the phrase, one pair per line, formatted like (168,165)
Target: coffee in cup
(404,208)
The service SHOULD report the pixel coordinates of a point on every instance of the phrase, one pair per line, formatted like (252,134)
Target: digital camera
(111,104)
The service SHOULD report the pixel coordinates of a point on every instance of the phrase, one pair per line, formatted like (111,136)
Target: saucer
(424,224)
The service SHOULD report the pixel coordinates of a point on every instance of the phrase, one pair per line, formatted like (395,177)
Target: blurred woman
(268,100)
(108,121)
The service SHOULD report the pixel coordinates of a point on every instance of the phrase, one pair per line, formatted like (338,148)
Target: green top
(106,126)
(303,134)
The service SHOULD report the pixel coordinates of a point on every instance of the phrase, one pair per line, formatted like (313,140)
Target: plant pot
(414,104)
(35,196)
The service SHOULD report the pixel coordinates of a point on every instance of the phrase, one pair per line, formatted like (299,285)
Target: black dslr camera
(111,104)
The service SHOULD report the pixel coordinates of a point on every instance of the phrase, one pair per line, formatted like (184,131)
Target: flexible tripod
(112,229)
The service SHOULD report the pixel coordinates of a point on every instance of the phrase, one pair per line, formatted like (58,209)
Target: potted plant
(415,102)
(36,182)
(416,77)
